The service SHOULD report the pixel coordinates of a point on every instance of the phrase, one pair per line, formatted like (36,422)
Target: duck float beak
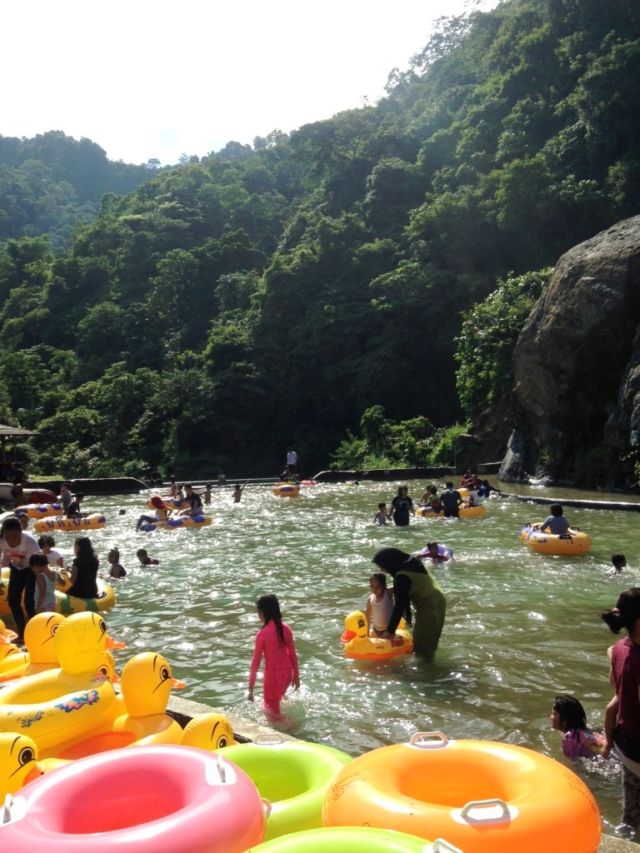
(115,644)
(177,684)
(7,636)
(348,636)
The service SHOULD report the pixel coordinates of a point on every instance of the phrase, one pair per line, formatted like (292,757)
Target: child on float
(161,513)
(47,546)
(116,570)
(578,741)
(46,580)
(622,715)
(430,499)
(556,523)
(379,604)
(274,641)
(381,516)
(145,559)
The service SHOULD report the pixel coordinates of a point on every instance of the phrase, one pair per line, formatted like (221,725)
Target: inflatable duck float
(72,700)
(146,682)
(18,762)
(6,635)
(208,731)
(40,655)
(358,645)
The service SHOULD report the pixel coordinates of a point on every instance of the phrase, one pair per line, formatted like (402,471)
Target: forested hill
(52,183)
(274,294)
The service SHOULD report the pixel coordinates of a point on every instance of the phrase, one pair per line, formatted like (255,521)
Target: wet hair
(208,486)
(382,505)
(618,560)
(570,711)
(237,486)
(116,553)
(449,485)
(429,544)
(556,509)
(11,523)
(433,489)
(47,539)
(380,577)
(38,560)
(403,489)
(626,611)
(141,552)
(85,553)
(269,607)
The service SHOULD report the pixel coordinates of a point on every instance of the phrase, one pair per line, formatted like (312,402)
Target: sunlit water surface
(520,627)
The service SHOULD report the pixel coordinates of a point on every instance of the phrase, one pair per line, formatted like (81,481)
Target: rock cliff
(576,398)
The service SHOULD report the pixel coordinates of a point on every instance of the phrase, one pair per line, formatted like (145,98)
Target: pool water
(520,626)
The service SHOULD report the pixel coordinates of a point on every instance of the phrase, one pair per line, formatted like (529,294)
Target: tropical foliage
(271,294)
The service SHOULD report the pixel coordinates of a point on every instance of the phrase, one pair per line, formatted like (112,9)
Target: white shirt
(19,555)
(54,555)
(292,458)
(381,610)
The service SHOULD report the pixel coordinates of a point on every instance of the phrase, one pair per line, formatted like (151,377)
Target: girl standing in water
(275,642)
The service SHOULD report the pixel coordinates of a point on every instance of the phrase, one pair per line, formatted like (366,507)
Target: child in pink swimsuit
(578,741)
(275,642)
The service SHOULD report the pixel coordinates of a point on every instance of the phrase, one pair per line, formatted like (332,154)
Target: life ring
(286,490)
(340,839)
(156,799)
(358,645)
(482,796)
(39,510)
(463,512)
(65,604)
(294,776)
(177,522)
(95,521)
(574,544)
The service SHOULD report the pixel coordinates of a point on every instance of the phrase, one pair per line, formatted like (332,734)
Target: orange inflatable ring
(482,796)
(575,543)
(286,490)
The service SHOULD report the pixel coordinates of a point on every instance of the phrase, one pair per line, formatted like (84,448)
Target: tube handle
(6,809)
(442,846)
(267,807)
(271,739)
(485,806)
(429,740)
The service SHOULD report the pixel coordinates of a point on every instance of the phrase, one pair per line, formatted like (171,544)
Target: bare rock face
(577,367)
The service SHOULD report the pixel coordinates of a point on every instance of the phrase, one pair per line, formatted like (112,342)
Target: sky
(161,78)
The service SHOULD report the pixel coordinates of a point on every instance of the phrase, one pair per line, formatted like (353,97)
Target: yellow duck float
(40,655)
(18,762)
(208,731)
(358,645)
(6,635)
(146,682)
(75,698)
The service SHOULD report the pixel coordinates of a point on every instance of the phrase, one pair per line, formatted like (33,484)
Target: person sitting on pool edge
(556,523)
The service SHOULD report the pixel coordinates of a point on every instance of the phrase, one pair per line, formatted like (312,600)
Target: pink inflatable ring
(156,799)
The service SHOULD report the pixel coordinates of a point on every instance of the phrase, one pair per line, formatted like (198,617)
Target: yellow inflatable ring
(464,512)
(482,796)
(71,525)
(65,604)
(574,544)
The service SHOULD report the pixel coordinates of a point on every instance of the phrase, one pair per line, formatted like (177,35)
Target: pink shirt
(277,655)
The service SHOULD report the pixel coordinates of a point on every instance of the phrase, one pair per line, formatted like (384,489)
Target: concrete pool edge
(248,730)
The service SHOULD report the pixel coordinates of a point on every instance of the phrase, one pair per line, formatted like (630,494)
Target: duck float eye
(165,675)
(25,756)
(103,626)
(222,742)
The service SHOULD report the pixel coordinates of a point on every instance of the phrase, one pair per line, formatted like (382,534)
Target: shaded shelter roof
(9,431)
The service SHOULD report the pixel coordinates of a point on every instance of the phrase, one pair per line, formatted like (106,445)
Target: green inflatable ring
(294,776)
(349,839)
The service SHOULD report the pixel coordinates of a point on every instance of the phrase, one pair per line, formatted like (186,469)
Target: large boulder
(577,367)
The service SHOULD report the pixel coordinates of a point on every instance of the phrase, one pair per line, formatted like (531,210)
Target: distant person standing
(16,548)
(66,496)
(401,507)
(292,461)
(450,500)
